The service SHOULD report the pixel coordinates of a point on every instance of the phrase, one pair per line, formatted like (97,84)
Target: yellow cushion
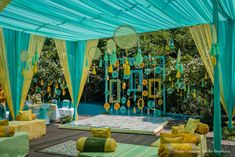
(202,128)
(192,125)
(25,115)
(178,150)
(101,132)
(4,122)
(7,131)
(178,129)
(171,138)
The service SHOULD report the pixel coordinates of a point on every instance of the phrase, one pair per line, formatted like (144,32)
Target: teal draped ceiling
(93,19)
(15,43)
(75,53)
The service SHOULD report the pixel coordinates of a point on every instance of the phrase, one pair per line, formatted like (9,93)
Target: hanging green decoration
(188,89)
(128,92)
(106,58)
(171,44)
(100,64)
(181,69)
(179,56)
(113,59)
(139,58)
(123,100)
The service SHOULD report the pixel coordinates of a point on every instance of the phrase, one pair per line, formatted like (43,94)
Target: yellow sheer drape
(4,76)
(61,49)
(3,4)
(89,44)
(35,46)
(202,37)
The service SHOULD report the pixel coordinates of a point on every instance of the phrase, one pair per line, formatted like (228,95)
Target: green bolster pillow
(96,144)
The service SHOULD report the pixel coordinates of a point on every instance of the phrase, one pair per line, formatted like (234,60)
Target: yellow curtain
(35,46)
(3,4)
(202,37)
(89,44)
(4,76)
(61,49)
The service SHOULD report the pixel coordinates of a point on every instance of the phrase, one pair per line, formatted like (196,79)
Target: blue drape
(75,52)
(15,43)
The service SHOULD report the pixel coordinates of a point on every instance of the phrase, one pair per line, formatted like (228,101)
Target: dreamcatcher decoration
(94,54)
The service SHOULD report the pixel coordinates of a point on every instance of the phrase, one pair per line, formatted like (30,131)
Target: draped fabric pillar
(17,73)
(73,55)
(35,46)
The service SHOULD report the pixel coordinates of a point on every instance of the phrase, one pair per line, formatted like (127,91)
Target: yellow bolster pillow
(96,144)
(191,138)
(202,128)
(24,115)
(7,131)
(101,132)
(4,122)
(171,138)
(178,150)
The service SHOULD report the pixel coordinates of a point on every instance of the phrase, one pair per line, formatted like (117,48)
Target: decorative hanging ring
(145,93)
(116,106)
(160,102)
(144,82)
(140,104)
(111,46)
(94,53)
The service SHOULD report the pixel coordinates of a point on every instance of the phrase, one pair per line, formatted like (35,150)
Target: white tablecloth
(66,112)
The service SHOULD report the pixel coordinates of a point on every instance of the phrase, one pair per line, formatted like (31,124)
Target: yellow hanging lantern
(140,104)
(123,85)
(144,82)
(56,85)
(127,70)
(178,74)
(160,102)
(42,82)
(63,92)
(94,71)
(35,68)
(142,65)
(110,69)
(145,93)
(106,106)
(116,106)
(128,103)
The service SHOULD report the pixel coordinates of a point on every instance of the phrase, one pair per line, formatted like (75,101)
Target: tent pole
(217,107)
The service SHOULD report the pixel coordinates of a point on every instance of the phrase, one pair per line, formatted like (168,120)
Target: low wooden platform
(55,136)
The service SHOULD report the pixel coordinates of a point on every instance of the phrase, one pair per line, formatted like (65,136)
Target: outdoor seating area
(117,78)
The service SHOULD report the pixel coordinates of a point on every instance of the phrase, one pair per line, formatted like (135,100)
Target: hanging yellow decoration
(63,82)
(42,82)
(206,77)
(63,92)
(110,69)
(134,110)
(172,84)
(142,65)
(178,74)
(194,93)
(124,65)
(117,63)
(106,106)
(144,82)
(181,93)
(56,85)
(94,71)
(213,60)
(169,78)
(123,85)
(145,93)
(128,103)
(127,70)
(48,89)
(35,68)
(140,104)
(160,102)
(116,106)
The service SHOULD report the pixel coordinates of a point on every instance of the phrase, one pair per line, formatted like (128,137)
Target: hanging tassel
(88,80)
(194,93)
(100,64)
(179,56)
(94,71)
(139,58)
(113,59)
(42,82)
(110,69)
(181,69)
(178,74)
(169,78)
(106,58)
(127,69)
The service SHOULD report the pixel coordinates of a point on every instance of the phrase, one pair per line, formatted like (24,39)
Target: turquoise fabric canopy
(91,19)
